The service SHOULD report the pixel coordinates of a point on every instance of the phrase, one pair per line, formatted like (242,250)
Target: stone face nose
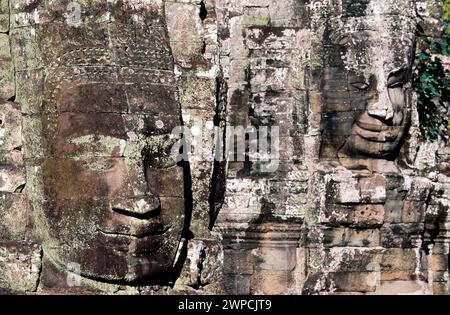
(137,206)
(129,191)
(382,109)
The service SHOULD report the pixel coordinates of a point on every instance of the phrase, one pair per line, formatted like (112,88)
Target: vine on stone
(432,83)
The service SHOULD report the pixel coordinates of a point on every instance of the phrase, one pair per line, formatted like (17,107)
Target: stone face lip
(145,230)
(385,136)
(373,129)
(366,121)
(138,206)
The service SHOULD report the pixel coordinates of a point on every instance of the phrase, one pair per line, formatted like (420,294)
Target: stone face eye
(343,40)
(397,79)
(360,85)
(99,166)
(397,84)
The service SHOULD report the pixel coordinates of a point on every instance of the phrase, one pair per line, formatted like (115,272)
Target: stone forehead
(386,26)
(373,50)
(378,43)
(148,91)
(368,42)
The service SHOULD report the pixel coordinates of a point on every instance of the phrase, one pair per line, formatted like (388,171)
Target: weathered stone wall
(265,51)
(344,225)
(20,255)
(193,35)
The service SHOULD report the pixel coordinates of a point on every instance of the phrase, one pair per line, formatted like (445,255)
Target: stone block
(212,263)
(26,49)
(398,259)
(12,179)
(344,259)
(440,288)
(10,127)
(399,234)
(15,216)
(439,262)
(198,93)
(441,276)
(4,16)
(33,147)
(203,264)
(393,211)
(363,238)
(20,265)
(351,237)
(373,189)
(420,189)
(238,262)
(275,258)
(238,284)
(185,30)
(292,13)
(271,282)
(7,87)
(256,3)
(256,16)
(352,281)
(14,157)
(368,215)
(413,211)
(336,215)
(402,287)
(345,192)
(29,86)
(316,101)
(397,275)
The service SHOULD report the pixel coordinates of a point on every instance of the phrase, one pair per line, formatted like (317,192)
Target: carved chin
(121,259)
(137,259)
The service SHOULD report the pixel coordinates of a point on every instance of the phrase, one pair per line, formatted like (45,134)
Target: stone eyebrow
(401,74)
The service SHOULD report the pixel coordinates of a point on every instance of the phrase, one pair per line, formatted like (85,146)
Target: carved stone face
(115,195)
(366,87)
(115,200)
(112,197)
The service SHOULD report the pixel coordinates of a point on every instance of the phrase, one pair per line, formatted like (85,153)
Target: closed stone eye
(397,79)
(343,40)
(397,84)
(99,166)
(360,85)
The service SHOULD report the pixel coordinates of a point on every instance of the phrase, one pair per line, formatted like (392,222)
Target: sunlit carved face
(114,194)
(368,95)
(378,130)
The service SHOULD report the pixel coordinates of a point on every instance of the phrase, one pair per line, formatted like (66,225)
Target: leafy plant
(432,84)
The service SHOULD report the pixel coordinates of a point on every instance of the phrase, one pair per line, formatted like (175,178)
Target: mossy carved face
(366,83)
(113,196)
(115,200)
